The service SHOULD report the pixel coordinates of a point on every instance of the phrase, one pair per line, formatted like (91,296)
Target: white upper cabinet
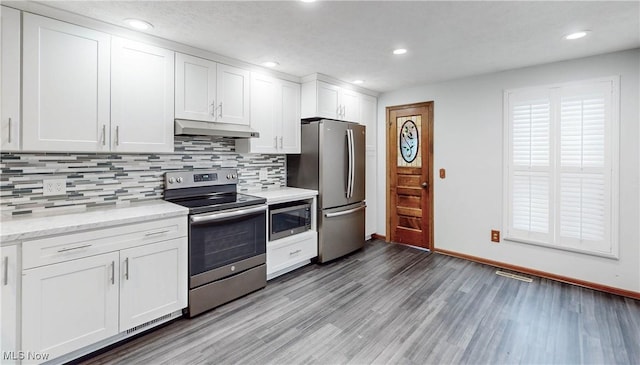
(210,91)
(65,95)
(290,117)
(142,97)
(10,76)
(233,95)
(195,88)
(275,114)
(350,105)
(325,100)
(84,91)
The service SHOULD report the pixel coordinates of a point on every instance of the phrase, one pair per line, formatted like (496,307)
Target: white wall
(468,143)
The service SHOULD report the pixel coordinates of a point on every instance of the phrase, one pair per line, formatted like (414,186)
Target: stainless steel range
(227,236)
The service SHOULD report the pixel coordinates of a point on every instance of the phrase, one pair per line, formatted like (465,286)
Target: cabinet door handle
(295,252)
(104,134)
(220,113)
(281,145)
(9,135)
(74,248)
(117,139)
(156,233)
(338,111)
(126,268)
(275,142)
(213,108)
(113,272)
(5,271)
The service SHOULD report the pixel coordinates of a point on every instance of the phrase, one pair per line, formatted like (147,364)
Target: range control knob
(229,177)
(234,176)
(171,180)
(179,180)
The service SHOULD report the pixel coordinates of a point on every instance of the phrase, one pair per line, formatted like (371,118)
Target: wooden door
(410,174)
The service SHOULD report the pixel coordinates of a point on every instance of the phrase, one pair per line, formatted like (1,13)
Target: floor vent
(147,324)
(514,276)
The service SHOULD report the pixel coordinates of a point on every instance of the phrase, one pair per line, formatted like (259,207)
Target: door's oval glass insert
(409,141)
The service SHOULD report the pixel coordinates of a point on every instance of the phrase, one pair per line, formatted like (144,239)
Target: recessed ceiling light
(576,35)
(270,64)
(358,82)
(399,51)
(138,24)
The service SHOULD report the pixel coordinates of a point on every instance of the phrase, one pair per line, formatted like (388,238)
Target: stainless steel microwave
(287,219)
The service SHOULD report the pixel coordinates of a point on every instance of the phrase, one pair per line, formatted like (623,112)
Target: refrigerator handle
(352,154)
(350,177)
(350,211)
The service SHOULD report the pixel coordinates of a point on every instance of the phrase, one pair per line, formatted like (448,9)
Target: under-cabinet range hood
(198,128)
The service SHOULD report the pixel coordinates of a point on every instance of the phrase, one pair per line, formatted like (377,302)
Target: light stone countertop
(22,228)
(285,194)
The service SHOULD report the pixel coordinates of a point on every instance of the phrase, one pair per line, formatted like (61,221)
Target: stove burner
(205,191)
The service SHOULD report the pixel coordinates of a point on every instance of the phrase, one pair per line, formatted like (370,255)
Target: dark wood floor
(396,304)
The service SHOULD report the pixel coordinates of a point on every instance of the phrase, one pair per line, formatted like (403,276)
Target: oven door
(226,243)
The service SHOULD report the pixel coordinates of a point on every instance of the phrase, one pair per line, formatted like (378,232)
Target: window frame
(554,93)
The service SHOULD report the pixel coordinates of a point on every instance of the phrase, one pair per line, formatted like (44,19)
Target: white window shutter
(559,169)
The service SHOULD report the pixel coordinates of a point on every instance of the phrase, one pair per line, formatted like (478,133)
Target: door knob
(425,184)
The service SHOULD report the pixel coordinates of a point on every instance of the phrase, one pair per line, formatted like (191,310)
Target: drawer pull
(5,274)
(156,233)
(295,252)
(74,248)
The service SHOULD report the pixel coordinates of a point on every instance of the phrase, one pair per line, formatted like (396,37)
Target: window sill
(563,248)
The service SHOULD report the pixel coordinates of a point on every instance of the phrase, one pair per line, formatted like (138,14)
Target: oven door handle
(228,214)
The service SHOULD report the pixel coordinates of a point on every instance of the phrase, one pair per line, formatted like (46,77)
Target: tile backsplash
(117,179)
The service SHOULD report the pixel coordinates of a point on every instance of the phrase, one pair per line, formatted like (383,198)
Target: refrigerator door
(334,164)
(357,193)
(340,231)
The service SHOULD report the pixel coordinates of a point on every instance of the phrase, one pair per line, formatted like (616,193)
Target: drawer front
(73,246)
(291,250)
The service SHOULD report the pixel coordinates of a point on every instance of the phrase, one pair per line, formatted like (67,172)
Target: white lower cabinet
(89,287)
(70,305)
(288,253)
(8,313)
(151,284)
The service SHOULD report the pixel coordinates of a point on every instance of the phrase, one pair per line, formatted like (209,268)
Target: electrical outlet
(495,235)
(54,187)
(263,174)
(443,173)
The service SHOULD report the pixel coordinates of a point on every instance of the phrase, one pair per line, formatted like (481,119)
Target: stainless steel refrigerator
(332,161)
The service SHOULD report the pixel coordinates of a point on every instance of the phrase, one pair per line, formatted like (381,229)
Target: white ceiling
(354,39)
